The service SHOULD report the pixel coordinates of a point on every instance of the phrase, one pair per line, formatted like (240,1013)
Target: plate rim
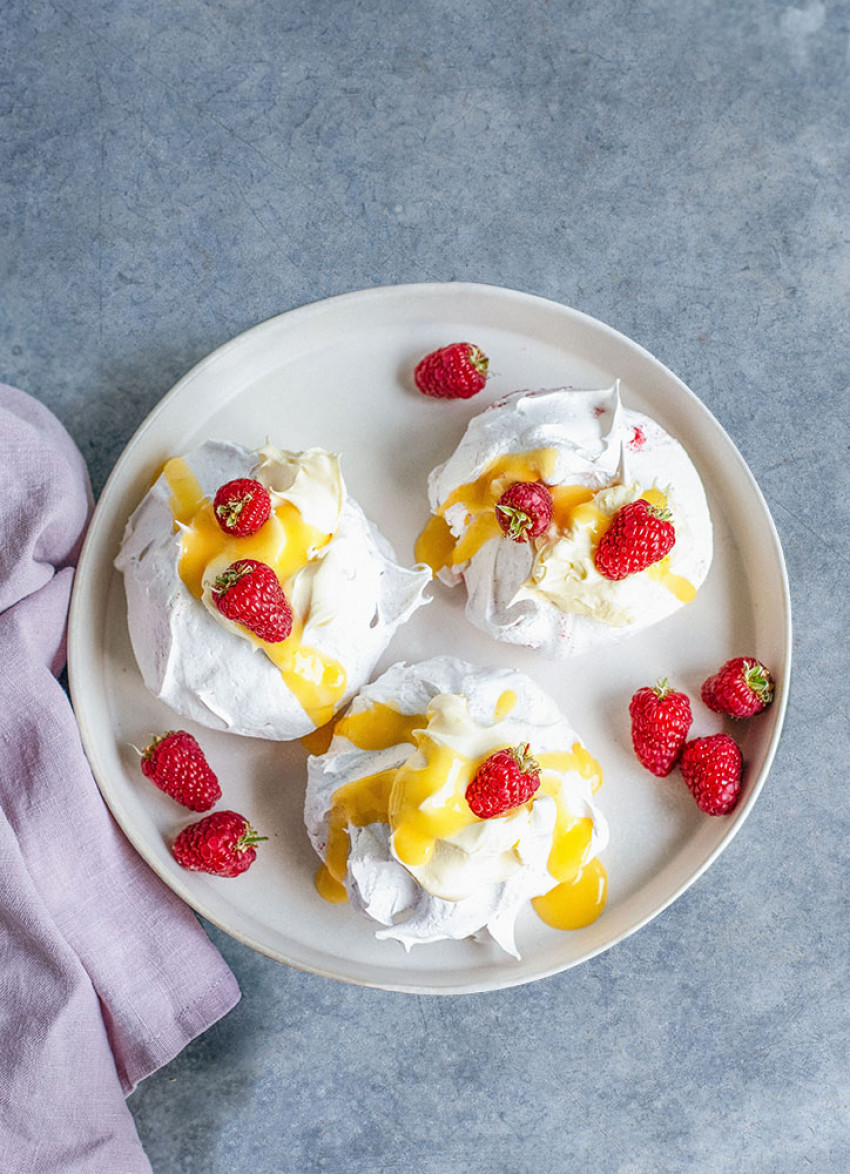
(76,634)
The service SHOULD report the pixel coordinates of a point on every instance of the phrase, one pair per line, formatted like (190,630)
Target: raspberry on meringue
(594,456)
(346,591)
(386,810)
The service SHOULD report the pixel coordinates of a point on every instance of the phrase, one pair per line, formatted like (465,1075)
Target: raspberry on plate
(742,687)
(712,767)
(661,719)
(457,371)
(505,780)
(177,765)
(242,506)
(249,593)
(639,535)
(524,511)
(221,844)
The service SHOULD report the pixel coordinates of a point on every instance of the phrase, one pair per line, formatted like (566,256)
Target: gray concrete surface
(171,173)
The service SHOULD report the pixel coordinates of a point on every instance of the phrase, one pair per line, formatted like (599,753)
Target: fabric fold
(106,974)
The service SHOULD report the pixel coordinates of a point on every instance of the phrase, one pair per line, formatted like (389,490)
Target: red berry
(639,535)
(457,371)
(249,593)
(712,769)
(661,719)
(242,506)
(221,843)
(524,511)
(176,764)
(504,780)
(741,688)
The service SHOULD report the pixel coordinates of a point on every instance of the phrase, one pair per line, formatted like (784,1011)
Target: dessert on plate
(572,520)
(260,614)
(391,807)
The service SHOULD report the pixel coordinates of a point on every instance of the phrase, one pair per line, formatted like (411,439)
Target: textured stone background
(171,173)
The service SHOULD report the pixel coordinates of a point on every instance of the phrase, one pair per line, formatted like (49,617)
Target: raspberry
(221,843)
(503,781)
(524,511)
(242,506)
(177,765)
(661,719)
(457,371)
(249,593)
(712,769)
(741,688)
(639,535)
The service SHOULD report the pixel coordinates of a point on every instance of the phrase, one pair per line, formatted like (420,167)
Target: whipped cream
(595,455)
(347,593)
(386,812)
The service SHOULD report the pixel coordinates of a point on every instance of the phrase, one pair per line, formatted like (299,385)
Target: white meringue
(423,729)
(547,594)
(348,597)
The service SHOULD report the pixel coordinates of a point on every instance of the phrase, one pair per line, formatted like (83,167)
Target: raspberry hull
(741,688)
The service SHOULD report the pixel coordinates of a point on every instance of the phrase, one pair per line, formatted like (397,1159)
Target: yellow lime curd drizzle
(365,800)
(505,704)
(424,801)
(572,505)
(660,572)
(437,547)
(566,500)
(356,804)
(379,727)
(286,543)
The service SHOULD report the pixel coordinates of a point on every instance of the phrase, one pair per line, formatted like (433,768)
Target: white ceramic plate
(338,374)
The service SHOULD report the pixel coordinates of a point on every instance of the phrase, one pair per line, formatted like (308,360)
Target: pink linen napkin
(104,974)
